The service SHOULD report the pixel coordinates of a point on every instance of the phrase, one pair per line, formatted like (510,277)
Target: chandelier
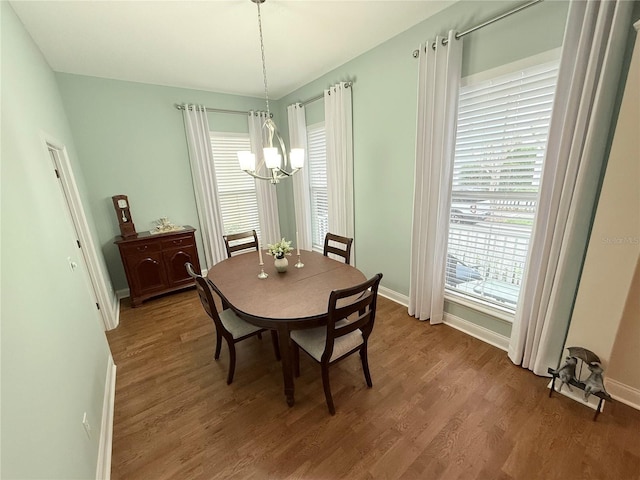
(275,162)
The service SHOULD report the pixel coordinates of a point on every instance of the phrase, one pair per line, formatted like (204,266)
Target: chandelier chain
(264,63)
(275,163)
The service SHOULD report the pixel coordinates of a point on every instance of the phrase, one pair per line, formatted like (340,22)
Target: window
(236,189)
(502,132)
(317,155)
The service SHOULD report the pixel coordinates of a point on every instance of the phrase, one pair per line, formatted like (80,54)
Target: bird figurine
(567,372)
(595,382)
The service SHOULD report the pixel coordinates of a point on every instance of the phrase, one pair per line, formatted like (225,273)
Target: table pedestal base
(287,367)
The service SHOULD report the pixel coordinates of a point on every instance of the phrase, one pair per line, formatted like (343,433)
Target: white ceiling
(214,45)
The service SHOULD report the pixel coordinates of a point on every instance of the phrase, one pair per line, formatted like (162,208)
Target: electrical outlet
(86,425)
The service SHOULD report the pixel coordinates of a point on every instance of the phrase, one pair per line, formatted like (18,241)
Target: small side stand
(580,385)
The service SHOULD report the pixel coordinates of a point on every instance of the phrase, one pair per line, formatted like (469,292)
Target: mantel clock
(123,212)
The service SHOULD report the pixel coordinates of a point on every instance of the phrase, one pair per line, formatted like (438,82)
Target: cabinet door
(147,273)
(174,260)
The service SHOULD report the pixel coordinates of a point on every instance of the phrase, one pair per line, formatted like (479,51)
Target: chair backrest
(233,244)
(360,299)
(343,252)
(206,296)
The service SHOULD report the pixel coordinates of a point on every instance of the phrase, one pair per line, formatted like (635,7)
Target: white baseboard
(116,309)
(481,333)
(395,296)
(619,391)
(623,393)
(103,469)
(124,293)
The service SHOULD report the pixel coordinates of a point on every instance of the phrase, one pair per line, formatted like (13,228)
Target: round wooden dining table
(295,299)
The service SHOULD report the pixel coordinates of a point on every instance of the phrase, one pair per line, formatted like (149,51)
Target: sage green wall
(131,140)
(54,352)
(384,121)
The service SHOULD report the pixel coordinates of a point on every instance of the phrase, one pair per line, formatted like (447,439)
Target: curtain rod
(240,112)
(217,110)
(416,52)
(318,97)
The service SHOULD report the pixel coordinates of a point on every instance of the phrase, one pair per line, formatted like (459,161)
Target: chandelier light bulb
(296,156)
(247,161)
(271,158)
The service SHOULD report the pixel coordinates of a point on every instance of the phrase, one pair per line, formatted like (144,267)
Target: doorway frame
(109,306)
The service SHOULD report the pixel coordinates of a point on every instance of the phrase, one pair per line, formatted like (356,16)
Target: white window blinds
(316,143)
(503,126)
(236,189)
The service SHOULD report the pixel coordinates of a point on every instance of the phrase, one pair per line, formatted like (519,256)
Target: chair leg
(232,362)
(276,344)
(327,389)
(295,350)
(218,345)
(365,365)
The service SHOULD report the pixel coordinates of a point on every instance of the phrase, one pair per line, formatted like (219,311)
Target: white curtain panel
(339,138)
(438,88)
(203,175)
(588,81)
(301,197)
(265,190)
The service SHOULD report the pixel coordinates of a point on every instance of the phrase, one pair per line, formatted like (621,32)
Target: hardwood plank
(443,406)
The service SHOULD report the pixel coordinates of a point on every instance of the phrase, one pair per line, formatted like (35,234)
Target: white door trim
(101,285)
(103,467)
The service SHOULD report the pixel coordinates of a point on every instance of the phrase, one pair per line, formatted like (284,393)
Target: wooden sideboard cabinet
(154,263)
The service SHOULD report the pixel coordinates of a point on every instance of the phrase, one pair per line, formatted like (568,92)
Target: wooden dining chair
(236,242)
(343,249)
(228,325)
(352,313)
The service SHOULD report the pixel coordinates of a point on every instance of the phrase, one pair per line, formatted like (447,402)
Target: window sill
(486,308)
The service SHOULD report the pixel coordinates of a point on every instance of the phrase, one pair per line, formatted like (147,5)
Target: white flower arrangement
(280,249)
(163,225)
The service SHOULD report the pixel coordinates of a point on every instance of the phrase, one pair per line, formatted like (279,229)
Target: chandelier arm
(260,177)
(255,175)
(287,174)
(282,146)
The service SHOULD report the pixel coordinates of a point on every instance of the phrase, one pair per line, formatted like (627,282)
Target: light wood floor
(443,406)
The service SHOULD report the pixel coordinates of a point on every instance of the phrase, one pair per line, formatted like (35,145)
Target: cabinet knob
(143,248)
(177,242)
